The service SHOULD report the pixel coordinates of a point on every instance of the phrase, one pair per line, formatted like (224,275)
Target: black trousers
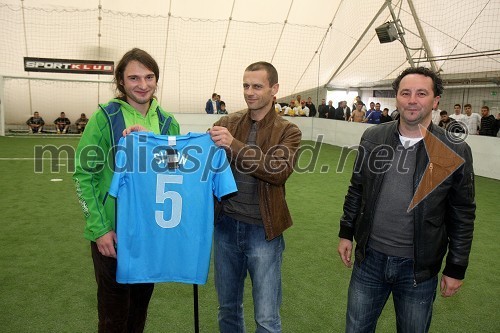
(121,307)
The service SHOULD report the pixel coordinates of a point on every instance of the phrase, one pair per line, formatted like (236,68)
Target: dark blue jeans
(240,247)
(370,287)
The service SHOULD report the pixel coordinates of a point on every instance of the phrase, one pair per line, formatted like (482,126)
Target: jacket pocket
(434,237)
(435,221)
(433,241)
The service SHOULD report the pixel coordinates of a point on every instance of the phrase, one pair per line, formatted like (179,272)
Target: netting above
(202,47)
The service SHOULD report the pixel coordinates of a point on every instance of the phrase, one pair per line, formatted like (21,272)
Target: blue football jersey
(165,188)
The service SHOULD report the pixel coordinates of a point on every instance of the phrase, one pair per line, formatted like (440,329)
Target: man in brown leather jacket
(262,149)
(410,203)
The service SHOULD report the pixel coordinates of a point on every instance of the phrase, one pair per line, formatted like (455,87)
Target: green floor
(46,276)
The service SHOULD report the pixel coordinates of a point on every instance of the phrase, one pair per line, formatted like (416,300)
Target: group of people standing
(298,107)
(301,108)
(371,116)
(469,122)
(400,248)
(215,106)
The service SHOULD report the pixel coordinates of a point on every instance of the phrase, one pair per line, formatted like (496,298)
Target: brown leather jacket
(271,162)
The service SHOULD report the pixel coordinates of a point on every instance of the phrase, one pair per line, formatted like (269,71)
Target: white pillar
(2,109)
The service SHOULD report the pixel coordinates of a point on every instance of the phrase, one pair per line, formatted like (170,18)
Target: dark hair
(457,105)
(442,113)
(467,106)
(222,103)
(272,73)
(485,107)
(138,55)
(436,79)
(214,95)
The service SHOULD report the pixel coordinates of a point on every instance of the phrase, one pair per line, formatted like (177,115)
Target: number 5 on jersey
(162,195)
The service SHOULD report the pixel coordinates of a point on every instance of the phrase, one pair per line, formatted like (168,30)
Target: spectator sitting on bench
(35,123)
(81,123)
(62,124)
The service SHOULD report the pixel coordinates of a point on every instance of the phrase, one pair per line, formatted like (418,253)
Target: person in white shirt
(212,105)
(302,110)
(277,107)
(298,101)
(458,116)
(436,116)
(289,110)
(471,120)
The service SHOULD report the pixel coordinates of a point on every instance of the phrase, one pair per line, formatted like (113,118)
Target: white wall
(485,150)
(486,155)
(196,122)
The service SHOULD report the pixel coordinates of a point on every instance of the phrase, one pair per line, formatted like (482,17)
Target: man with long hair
(121,307)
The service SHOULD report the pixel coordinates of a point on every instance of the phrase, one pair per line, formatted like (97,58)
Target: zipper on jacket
(105,198)
(431,167)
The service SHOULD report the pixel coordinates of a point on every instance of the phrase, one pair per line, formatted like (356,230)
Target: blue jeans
(240,247)
(370,286)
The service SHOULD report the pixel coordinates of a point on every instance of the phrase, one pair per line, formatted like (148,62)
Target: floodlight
(387,32)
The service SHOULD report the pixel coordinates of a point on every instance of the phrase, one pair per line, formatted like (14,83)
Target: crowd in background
(460,122)
(215,105)
(359,113)
(468,122)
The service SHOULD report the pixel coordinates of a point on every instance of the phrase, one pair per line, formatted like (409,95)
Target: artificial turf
(47,282)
